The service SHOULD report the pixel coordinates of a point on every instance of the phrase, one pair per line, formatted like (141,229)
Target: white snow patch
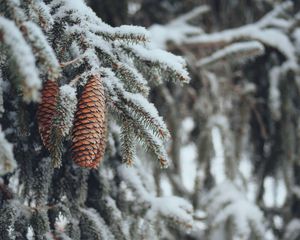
(61,222)
(166,186)
(218,169)
(7,161)
(275,192)
(30,233)
(188,164)
(133,7)
(25,61)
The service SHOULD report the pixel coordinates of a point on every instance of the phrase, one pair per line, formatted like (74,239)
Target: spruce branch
(45,56)
(164,62)
(234,52)
(39,12)
(148,140)
(127,143)
(93,226)
(21,60)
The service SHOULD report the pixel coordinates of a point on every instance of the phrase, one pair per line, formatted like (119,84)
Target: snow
(175,208)
(7,161)
(61,222)
(272,19)
(243,214)
(275,192)
(177,30)
(226,201)
(67,90)
(96,41)
(75,5)
(130,76)
(68,104)
(1,95)
(166,59)
(296,37)
(188,155)
(91,23)
(166,186)
(14,182)
(236,51)
(39,40)
(133,7)
(130,176)
(30,233)
(274,92)
(270,37)
(245,167)
(99,222)
(218,161)
(134,31)
(24,59)
(40,12)
(140,102)
(195,12)
(92,58)
(161,35)
(141,111)
(278,222)
(292,232)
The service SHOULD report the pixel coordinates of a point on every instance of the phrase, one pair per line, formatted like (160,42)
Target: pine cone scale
(89,129)
(47,110)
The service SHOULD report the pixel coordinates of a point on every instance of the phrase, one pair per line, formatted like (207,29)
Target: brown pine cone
(89,128)
(47,110)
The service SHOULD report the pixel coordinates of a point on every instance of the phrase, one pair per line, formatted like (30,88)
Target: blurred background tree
(238,120)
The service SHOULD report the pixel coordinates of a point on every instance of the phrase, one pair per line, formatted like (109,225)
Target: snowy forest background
(230,103)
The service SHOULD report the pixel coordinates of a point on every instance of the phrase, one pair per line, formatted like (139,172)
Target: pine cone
(47,110)
(89,129)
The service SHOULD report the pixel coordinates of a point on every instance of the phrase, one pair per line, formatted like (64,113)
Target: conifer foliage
(70,85)
(95,49)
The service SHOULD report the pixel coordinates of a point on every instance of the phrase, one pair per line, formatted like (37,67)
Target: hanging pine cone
(47,110)
(89,129)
